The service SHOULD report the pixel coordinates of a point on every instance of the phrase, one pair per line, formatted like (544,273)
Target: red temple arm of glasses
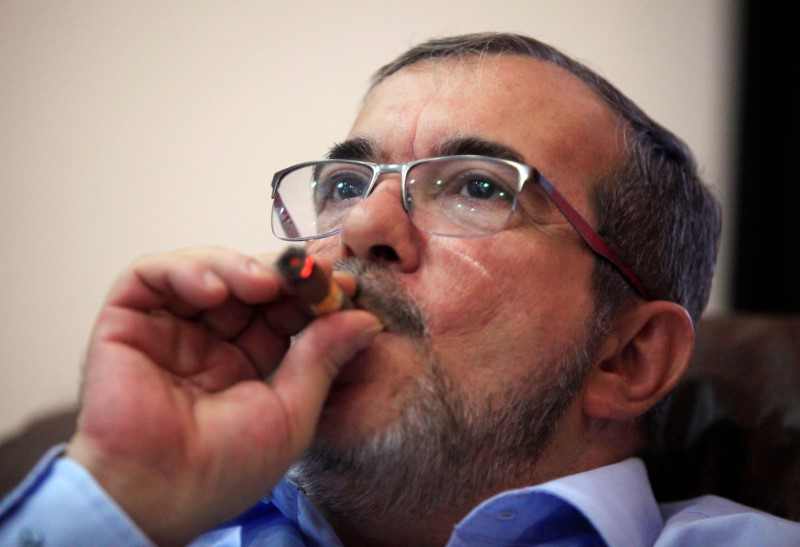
(592,238)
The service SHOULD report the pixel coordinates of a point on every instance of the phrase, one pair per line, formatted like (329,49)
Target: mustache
(380,292)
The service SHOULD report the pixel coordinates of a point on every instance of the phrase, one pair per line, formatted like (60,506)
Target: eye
(482,188)
(339,185)
(348,189)
(480,185)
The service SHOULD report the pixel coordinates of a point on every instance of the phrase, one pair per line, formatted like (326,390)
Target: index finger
(188,281)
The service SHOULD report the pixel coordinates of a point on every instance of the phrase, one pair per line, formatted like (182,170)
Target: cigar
(313,286)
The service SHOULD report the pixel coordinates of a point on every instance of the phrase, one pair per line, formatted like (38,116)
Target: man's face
(497,311)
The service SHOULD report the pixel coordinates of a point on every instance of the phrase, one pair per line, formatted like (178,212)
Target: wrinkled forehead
(549,116)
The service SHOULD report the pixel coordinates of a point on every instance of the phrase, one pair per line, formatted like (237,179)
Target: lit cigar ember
(313,286)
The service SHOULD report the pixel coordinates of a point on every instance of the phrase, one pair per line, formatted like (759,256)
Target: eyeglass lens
(455,196)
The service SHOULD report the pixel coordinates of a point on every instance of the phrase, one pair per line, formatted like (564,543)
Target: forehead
(548,115)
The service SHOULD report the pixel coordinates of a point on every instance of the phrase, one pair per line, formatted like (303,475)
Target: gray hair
(654,210)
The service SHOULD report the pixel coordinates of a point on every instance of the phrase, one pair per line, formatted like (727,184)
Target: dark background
(766,267)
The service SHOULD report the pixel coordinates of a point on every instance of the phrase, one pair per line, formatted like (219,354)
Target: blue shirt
(61,504)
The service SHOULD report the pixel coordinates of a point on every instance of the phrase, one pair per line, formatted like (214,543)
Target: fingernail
(256,268)
(212,281)
(367,336)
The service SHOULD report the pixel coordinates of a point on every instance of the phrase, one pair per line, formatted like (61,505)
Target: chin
(370,393)
(356,413)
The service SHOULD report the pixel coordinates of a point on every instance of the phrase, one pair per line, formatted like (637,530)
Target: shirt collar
(616,499)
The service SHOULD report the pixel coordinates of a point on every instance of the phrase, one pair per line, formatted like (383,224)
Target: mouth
(382,294)
(388,318)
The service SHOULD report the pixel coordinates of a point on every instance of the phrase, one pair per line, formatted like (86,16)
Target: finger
(188,281)
(248,279)
(228,320)
(181,347)
(263,347)
(266,337)
(311,364)
(346,282)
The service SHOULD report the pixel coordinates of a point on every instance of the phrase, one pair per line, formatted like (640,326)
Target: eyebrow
(470,145)
(366,149)
(482,147)
(358,148)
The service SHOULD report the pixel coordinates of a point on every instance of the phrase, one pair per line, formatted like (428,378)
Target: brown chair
(732,427)
(20,452)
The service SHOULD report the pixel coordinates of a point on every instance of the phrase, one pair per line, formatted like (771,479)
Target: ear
(642,359)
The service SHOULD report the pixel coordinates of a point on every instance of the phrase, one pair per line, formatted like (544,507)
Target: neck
(420,525)
(414,510)
(423,530)
(414,492)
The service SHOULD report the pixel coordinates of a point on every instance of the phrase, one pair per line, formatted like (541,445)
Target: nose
(378,228)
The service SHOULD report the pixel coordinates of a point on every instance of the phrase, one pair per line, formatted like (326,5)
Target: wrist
(146,495)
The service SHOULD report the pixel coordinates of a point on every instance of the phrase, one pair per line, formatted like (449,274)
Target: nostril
(383,252)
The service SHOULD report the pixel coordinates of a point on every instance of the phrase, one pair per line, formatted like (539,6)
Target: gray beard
(446,449)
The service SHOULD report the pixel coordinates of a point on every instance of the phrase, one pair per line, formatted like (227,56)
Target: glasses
(453,196)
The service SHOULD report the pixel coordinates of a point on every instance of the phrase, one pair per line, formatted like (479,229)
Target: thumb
(312,363)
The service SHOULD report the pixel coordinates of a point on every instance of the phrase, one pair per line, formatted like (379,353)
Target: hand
(177,423)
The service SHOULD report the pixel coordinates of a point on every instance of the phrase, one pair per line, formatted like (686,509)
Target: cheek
(460,289)
(483,304)
(328,247)
(473,296)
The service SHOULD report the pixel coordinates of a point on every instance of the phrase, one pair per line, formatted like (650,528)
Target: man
(497,379)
